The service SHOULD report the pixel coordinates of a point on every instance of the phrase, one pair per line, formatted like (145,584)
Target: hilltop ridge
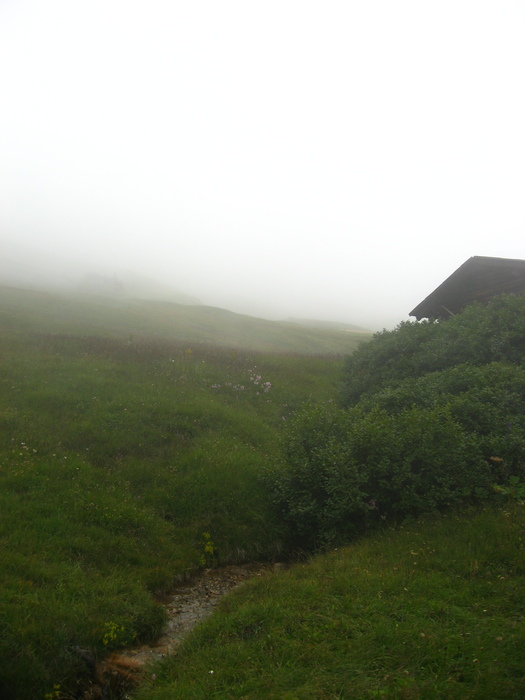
(134,318)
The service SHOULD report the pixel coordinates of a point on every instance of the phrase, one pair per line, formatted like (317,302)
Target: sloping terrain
(132,319)
(129,459)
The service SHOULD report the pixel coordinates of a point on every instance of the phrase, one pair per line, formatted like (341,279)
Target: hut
(478,279)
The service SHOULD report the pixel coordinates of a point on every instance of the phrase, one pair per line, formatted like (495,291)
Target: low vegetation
(477,336)
(430,609)
(131,456)
(134,320)
(116,456)
(433,415)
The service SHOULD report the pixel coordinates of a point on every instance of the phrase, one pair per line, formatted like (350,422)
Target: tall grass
(431,609)
(115,457)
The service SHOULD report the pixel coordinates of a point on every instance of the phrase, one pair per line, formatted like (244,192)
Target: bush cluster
(477,336)
(432,414)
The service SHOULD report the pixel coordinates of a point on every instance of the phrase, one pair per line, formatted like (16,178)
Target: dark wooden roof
(478,279)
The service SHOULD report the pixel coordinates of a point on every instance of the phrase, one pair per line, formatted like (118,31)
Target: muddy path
(186,606)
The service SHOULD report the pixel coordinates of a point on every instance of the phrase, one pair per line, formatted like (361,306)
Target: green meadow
(135,319)
(428,609)
(134,452)
(124,437)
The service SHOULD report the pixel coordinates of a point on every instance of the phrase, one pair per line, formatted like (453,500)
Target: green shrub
(318,486)
(434,413)
(487,401)
(477,336)
(344,470)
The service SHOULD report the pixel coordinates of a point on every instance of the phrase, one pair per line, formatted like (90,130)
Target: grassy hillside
(49,312)
(432,609)
(117,454)
(131,454)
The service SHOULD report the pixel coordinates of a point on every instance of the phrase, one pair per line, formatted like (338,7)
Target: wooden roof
(478,279)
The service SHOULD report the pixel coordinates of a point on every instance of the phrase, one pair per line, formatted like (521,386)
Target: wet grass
(120,447)
(115,458)
(431,609)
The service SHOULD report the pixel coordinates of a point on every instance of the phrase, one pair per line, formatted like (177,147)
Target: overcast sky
(333,159)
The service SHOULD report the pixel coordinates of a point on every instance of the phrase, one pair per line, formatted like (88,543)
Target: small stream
(123,670)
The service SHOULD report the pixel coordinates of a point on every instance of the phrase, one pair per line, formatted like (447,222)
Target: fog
(331,160)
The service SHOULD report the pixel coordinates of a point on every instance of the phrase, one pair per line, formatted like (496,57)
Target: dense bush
(343,470)
(441,418)
(477,336)
(318,485)
(487,401)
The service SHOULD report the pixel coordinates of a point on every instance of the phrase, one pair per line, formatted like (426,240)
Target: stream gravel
(186,606)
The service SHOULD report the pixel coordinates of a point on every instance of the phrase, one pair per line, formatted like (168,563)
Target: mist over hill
(328,325)
(43,271)
(132,286)
(132,319)
(53,272)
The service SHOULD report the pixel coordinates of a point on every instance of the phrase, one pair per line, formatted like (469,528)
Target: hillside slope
(49,312)
(126,462)
(432,609)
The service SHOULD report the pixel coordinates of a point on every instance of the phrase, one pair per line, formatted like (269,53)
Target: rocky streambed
(187,605)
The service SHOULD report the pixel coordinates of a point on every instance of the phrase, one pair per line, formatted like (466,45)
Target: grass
(115,457)
(124,437)
(133,319)
(432,609)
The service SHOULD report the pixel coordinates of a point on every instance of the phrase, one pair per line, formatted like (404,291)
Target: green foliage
(116,635)
(435,415)
(118,454)
(318,485)
(487,401)
(514,490)
(478,335)
(431,609)
(390,357)
(115,458)
(343,471)
(209,550)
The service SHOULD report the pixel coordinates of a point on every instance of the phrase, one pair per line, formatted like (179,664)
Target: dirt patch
(189,603)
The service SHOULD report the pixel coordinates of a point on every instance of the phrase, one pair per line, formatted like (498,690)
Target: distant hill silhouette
(328,325)
(132,286)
